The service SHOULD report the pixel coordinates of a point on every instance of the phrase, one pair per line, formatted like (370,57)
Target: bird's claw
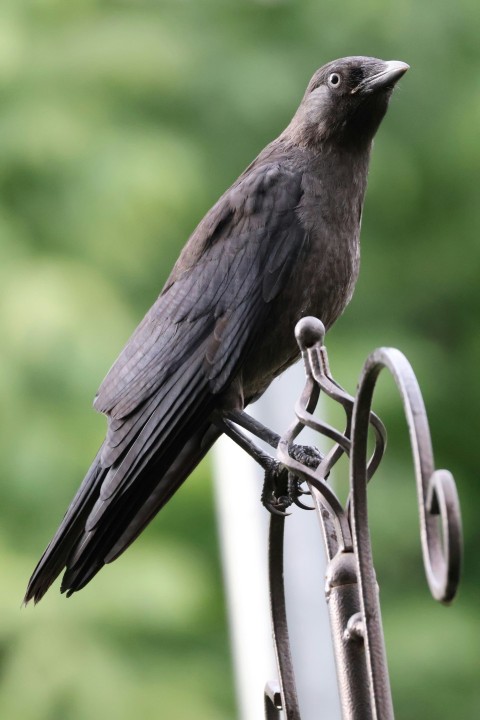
(281,489)
(275,496)
(295,492)
(275,511)
(301,505)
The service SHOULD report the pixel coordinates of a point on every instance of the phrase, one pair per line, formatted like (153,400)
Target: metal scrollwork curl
(436,490)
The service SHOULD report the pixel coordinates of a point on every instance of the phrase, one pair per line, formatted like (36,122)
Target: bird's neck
(322,138)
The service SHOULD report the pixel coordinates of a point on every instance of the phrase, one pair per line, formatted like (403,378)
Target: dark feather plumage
(282,242)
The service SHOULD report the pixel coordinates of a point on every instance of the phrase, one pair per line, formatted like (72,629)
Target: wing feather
(159,394)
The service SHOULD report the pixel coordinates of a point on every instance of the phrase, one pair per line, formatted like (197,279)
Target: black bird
(281,243)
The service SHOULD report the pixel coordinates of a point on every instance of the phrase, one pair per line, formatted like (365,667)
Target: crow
(281,243)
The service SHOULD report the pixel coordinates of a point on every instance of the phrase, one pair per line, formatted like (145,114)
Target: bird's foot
(275,495)
(281,488)
(306,455)
(309,456)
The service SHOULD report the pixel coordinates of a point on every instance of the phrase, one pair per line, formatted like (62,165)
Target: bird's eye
(334,80)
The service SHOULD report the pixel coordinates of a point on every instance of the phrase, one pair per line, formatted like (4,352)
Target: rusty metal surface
(351,587)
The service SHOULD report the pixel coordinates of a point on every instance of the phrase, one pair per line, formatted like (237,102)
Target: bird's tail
(54,559)
(83,552)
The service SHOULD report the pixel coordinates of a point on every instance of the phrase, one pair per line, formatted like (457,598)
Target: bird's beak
(391,72)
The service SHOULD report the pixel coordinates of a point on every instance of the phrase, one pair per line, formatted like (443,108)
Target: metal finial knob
(309,331)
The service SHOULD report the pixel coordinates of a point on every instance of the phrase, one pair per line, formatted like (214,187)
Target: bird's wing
(159,394)
(206,318)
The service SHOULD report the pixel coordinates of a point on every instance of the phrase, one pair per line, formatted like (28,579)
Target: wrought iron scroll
(351,587)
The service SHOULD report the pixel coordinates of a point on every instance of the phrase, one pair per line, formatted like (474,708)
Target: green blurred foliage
(120,124)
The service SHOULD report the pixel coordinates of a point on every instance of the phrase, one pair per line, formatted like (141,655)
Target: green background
(120,124)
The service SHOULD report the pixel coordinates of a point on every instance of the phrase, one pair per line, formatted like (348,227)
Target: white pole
(243,524)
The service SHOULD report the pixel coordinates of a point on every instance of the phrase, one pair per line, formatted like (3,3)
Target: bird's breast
(322,280)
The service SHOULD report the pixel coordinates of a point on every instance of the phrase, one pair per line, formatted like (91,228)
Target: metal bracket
(351,587)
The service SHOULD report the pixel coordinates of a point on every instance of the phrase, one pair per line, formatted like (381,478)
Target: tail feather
(129,516)
(148,473)
(70,531)
(159,446)
(194,450)
(165,421)
(96,529)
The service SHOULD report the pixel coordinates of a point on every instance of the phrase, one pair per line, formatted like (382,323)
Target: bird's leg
(305,454)
(238,437)
(239,417)
(280,488)
(275,486)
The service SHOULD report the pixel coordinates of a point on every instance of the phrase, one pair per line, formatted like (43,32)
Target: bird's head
(346,100)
